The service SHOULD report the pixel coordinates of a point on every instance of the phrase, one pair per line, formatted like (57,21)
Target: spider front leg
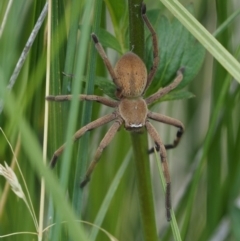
(106,61)
(104,143)
(163,155)
(170,121)
(100,99)
(92,125)
(155,46)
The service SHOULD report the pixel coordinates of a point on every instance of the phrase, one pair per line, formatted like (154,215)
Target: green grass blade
(56,114)
(106,202)
(34,156)
(82,159)
(76,87)
(25,52)
(226,23)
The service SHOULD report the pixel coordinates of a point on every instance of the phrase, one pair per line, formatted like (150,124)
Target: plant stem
(139,141)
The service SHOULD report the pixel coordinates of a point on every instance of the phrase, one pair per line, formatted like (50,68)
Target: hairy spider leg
(104,143)
(163,155)
(170,121)
(92,125)
(155,47)
(99,99)
(106,61)
(160,93)
(163,91)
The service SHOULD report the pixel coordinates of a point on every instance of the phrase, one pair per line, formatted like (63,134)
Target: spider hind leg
(168,146)
(163,155)
(103,144)
(170,121)
(92,125)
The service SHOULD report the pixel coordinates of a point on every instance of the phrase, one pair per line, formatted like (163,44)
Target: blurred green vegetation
(205,167)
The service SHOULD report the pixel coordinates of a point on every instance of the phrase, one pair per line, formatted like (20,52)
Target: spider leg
(105,58)
(155,46)
(163,154)
(92,125)
(160,93)
(170,121)
(104,143)
(100,99)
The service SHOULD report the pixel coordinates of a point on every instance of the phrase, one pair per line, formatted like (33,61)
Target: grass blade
(106,202)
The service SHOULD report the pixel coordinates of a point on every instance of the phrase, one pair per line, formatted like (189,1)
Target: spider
(131,109)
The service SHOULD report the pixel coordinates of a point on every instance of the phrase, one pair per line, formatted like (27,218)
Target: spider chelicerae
(131,109)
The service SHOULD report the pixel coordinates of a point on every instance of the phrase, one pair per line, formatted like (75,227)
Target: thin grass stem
(25,51)
(45,134)
(81,164)
(226,23)
(108,197)
(17,233)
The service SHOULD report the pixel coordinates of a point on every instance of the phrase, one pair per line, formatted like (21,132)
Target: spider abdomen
(131,75)
(134,113)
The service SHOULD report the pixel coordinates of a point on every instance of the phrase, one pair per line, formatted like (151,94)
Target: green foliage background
(205,168)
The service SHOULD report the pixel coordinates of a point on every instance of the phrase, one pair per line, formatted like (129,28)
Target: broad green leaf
(177,48)
(177,95)
(109,89)
(119,16)
(226,59)
(117,10)
(107,86)
(108,40)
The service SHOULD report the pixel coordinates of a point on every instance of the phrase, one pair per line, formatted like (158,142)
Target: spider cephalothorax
(131,109)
